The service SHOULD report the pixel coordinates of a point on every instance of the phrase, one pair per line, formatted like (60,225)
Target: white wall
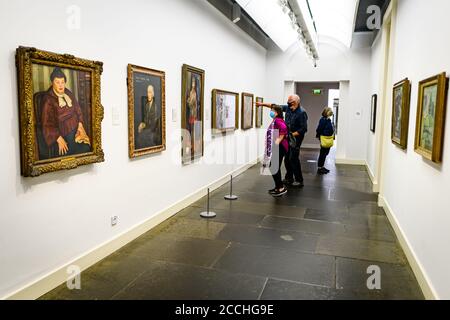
(416,190)
(336,64)
(47,221)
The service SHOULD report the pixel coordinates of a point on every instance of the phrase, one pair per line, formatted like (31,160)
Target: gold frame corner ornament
(132,151)
(25,57)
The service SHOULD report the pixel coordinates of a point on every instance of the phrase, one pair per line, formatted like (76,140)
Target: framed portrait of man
(400,113)
(225,111)
(60,111)
(146,111)
(247,111)
(192,107)
(430,120)
(259,113)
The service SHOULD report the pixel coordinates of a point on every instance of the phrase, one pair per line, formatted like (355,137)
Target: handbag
(292,141)
(327,142)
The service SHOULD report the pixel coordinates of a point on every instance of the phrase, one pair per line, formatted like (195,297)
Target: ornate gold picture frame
(60,111)
(259,113)
(192,113)
(225,111)
(430,120)
(401,95)
(146,111)
(247,111)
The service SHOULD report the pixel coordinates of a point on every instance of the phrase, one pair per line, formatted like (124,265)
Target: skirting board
(419,272)
(351,162)
(376,186)
(56,277)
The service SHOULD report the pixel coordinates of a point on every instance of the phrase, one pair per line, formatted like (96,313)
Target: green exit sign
(317,92)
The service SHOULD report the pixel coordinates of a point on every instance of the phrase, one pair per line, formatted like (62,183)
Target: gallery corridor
(313,243)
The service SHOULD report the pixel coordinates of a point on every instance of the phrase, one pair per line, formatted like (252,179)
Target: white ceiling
(334,18)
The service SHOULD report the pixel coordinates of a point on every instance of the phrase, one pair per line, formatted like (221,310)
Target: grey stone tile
(361,249)
(204,229)
(225,216)
(269,238)
(165,280)
(330,215)
(301,225)
(280,264)
(397,281)
(286,290)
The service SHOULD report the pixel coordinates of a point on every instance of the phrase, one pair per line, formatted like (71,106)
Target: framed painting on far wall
(192,106)
(247,111)
(373,113)
(146,111)
(259,113)
(430,120)
(400,113)
(60,111)
(225,111)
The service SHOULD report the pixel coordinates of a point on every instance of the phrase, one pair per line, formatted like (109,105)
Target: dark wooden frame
(215,92)
(186,68)
(244,94)
(259,122)
(373,113)
(406,101)
(439,121)
(132,152)
(25,58)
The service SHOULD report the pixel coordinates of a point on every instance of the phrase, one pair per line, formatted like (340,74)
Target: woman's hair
(327,112)
(278,110)
(57,73)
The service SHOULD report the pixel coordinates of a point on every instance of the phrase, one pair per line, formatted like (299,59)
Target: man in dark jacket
(297,122)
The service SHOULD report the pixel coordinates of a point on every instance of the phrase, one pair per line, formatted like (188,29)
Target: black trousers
(277,176)
(324,152)
(292,163)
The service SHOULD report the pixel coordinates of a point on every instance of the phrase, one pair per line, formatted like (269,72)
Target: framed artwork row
(430,118)
(61,112)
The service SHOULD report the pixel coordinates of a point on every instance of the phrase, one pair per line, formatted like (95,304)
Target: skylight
(334,18)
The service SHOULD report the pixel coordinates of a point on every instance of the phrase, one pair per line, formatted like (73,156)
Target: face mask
(272,114)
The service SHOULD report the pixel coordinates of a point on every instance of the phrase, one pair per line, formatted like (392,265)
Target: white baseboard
(354,162)
(425,284)
(58,276)
(376,186)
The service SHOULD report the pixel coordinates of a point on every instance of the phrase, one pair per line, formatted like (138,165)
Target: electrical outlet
(114,220)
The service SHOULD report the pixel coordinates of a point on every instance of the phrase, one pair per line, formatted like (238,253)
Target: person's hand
(62,146)
(141,127)
(81,135)
(278,141)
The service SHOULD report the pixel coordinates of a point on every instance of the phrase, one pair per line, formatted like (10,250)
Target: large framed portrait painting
(225,111)
(192,106)
(430,120)
(400,113)
(259,113)
(247,111)
(60,111)
(146,111)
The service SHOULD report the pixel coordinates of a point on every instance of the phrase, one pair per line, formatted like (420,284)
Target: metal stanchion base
(208,214)
(231,197)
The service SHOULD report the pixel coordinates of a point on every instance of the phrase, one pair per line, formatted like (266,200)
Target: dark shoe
(279,193)
(271,191)
(288,182)
(297,184)
(322,171)
(326,170)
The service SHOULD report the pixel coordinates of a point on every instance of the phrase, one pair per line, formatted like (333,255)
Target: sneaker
(279,193)
(288,182)
(297,184)
(322,171)
(271,191)
(326,170)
